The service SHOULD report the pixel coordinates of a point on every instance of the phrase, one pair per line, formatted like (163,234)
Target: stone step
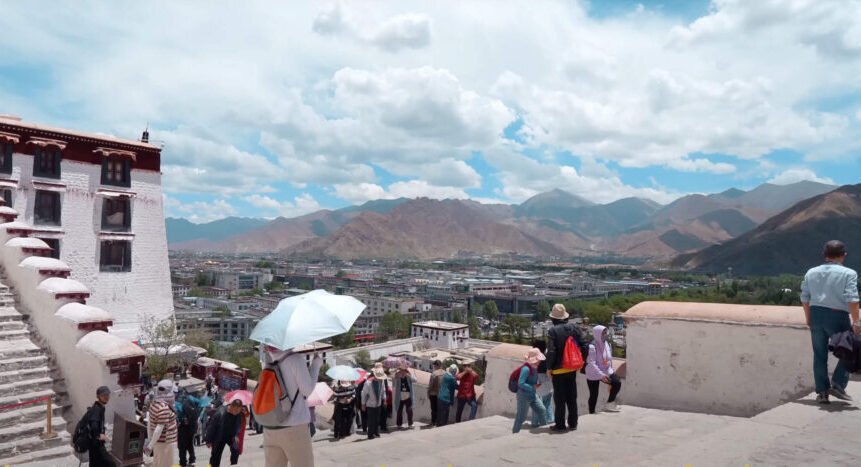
(23,363)
(33,448)
(25,386)
(11,325)
(23,431)
(29,413)
(14,334)
(58,456)
(19,348)
(9,313)
(24,374)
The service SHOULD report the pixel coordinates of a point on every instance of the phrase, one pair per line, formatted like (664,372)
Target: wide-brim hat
(559,312)
(379,373)
(534,356)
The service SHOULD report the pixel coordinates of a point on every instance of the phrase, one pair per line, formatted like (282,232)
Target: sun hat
(379,373)
(559,312)
(452,369)
(534,356)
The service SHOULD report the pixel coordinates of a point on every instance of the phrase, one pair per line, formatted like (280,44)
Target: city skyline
(290,109)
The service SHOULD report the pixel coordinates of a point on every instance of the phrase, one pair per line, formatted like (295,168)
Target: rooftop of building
(14,121)
(442,325)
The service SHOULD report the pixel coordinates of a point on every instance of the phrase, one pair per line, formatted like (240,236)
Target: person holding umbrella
(297,321)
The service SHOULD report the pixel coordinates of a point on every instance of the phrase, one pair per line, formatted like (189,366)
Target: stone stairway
(26,374)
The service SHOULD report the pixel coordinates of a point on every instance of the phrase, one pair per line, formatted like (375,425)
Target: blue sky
(284,109)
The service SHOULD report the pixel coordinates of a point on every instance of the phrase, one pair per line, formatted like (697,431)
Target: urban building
(231,328)
(240,280)
(369,320)
(440,334)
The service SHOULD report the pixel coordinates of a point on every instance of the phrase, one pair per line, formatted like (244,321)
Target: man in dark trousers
(223,431)
(829,295)
(187,408)
(564,379)
(99,456)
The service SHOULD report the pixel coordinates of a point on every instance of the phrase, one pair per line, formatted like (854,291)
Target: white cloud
(201,211)
(407,31)
(301,205)
(358,193)
(797,175)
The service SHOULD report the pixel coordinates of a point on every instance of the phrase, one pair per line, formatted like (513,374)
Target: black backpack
(190,413)
(82,439)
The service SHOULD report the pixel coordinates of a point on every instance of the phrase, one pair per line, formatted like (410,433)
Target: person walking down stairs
(99,456)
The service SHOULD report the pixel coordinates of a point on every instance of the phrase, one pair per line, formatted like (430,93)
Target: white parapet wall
(74,333)
(716,358)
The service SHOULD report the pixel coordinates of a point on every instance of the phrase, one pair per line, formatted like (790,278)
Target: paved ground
(798,433)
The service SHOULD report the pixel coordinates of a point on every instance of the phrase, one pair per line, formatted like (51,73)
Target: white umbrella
(306,318)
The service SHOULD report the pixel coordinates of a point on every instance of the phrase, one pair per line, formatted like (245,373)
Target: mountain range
(789,242)
(555,223)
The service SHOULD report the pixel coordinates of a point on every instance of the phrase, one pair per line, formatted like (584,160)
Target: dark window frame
(8,196)
(6,150)
(57,208)
(54,243)
(125,262)
(125,179)
(52,169)
(107,204)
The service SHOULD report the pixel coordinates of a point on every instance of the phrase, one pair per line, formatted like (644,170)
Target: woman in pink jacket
(599,369)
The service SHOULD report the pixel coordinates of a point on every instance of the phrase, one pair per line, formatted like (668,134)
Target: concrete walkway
(797,433)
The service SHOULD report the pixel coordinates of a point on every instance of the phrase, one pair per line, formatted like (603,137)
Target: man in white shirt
(291,442)
(829,295)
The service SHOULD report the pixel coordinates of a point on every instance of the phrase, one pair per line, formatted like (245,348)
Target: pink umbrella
(241,394)
(320,395)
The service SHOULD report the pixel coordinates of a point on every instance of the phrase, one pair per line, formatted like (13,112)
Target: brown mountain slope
(789,242)
(424,229)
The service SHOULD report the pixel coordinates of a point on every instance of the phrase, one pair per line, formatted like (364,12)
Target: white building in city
(97,202)
(369,320)
(442,335)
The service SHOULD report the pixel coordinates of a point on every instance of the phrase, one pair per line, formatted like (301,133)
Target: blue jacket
(527,380)
(446,390)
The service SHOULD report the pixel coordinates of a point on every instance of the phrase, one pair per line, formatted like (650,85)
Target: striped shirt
(343,394)
(161,414)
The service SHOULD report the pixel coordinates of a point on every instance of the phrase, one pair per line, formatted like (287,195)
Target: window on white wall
(116,172)
(6,150)
(116,214)
(54,243)
(47,208)
(116,256)
(47,163)
(7,196)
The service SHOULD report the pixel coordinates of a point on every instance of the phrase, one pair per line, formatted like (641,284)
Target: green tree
(202,279)
(252,364)
(474,327)
(456,317)
(194,292)
(491,312)
(323,376)
(599,314)
(264,264)
(274,286)
(345,340)
(542,311)
(515,326)
(475,309)
(362,359)
(394,326)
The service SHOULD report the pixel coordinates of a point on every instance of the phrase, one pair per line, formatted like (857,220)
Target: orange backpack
(271,404)
(572,358)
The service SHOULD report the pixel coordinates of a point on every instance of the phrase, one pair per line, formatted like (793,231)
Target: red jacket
(466,386)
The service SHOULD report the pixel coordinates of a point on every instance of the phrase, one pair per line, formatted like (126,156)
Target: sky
(278,108)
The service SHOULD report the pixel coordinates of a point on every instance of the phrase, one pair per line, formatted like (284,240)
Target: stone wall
(717,358)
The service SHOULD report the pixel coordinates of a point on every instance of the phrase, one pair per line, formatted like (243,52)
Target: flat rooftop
(442,325)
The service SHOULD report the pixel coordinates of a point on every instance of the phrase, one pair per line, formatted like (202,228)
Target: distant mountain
(776,198)
(280,233)
(424,229)
(182,230)
(550,204)
(789,242)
